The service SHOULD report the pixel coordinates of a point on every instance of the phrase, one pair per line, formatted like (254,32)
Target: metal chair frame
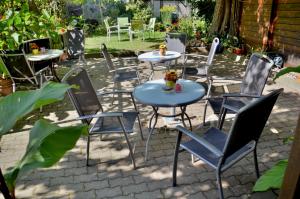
(36,77)
(110,29)
(123,26)
(221,150)
(98,112)
(252,86)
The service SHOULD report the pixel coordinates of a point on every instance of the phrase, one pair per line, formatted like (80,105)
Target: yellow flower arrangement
(162,49)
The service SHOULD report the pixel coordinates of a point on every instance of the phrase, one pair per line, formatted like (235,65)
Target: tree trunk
(217,17)
(226,17)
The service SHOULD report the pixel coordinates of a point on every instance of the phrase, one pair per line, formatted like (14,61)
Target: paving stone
(108,192)
(147,195)
(85,178)
(87,194)
(134,188)
(122,181)
(95,185)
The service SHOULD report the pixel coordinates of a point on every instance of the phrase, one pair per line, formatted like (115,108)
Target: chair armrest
(107,114)
(124,68)
(200,140)
(196,55)
(240,95)
(42,70)
(114,92)
(116,26)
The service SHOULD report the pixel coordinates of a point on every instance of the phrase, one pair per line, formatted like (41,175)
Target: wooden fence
(272,24)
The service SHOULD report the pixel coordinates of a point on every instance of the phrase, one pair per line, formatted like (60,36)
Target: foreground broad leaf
(47,145)
(272,179)
(17,105)
(287,70)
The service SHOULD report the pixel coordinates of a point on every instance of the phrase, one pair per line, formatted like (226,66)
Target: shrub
(166,12)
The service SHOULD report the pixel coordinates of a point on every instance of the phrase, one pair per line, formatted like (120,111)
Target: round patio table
(152,93)
(48,55)
(154,57)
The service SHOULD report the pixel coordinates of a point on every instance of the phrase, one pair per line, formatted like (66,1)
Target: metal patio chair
(88,106)
(110,29)
(174,42)
(221,150)
(123,26)
(150,27)
(203,70)
(20,70)
(74,41)
(137,28)
(120,74)
(253,83)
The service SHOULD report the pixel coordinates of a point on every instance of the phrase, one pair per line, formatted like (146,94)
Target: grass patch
(92,44)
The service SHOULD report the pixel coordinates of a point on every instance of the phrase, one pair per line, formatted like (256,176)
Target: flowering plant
(171,76)
(34,46)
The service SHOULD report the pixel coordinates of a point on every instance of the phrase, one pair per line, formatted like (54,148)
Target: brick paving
(111,174)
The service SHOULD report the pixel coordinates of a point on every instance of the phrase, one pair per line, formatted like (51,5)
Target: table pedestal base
(153,122)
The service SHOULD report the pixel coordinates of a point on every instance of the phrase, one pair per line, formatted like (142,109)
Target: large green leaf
(17,105)
(272,179)
(47,145)
(287,70)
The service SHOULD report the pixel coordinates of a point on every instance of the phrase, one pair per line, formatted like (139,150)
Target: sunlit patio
(111,174)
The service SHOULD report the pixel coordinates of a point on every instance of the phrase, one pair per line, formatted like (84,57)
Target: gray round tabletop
(154,56)
(152,93)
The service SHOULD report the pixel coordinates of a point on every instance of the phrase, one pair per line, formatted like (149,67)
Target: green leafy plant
(140,10)
(273,178)
(165,13)
(47,142)
(18,24)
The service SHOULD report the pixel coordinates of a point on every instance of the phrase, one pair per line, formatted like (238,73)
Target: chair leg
(113,97)
(176,158)
(255,162)
(140,127)
(128,143)
(221,195)
(222,116)
(204,114)
(88,151)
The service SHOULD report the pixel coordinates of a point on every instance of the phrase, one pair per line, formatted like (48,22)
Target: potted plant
(6,83)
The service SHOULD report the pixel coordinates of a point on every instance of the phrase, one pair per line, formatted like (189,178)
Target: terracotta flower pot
(6,86)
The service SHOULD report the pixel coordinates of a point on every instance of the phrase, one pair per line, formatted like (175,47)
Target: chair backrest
(75,42)
(212,51)
(123,21)
(257,73)
(106,24)
(83,97)
(18,66)
(151,24)
(109,64)
(176,42)
(249,123)
(26,45)
(137,25)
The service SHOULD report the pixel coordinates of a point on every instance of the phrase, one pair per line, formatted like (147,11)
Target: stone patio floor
(111,174)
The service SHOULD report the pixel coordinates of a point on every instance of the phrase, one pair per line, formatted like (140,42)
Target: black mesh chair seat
(196,71)
(111,124)
(125,76)
(235,103)
(217,138)
(221,150)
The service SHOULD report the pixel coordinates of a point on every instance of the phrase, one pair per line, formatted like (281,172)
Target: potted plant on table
(6,83)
